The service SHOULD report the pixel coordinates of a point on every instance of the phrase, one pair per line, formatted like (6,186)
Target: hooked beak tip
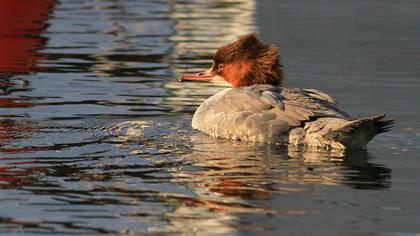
(203,77)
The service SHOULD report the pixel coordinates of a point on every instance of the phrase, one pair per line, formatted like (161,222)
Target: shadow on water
(366,175)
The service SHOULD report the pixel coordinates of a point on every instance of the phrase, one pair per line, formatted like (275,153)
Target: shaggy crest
(248,61)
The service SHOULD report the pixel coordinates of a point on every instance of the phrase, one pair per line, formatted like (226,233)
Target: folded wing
(262,113)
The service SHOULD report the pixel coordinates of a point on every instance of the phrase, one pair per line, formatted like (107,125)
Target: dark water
(95,133)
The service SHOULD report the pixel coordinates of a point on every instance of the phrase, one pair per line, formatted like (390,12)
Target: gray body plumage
(270,114)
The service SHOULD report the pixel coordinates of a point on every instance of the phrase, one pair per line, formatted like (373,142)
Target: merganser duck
(257,108)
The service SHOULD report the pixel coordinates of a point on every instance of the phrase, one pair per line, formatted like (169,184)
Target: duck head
(244,62)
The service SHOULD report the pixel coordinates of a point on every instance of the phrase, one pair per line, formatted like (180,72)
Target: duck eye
(220,66)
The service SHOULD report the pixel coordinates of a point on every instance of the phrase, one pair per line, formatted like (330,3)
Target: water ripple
(95,133)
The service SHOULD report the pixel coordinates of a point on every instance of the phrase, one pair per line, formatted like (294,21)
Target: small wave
(132,130)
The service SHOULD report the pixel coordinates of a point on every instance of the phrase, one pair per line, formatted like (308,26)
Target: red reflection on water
(21,23)
(13,176)
(8,130)
(18,103)
(14,171)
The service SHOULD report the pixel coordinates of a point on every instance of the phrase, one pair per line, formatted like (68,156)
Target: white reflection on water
(202,26)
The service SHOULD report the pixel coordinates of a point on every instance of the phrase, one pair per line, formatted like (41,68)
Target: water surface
(95,133)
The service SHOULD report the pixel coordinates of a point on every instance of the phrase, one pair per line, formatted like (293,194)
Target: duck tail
(357,133)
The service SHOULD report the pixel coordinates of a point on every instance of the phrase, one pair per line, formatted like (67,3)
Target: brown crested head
(247,61)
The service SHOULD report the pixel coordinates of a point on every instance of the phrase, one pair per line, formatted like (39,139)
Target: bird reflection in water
(228,180)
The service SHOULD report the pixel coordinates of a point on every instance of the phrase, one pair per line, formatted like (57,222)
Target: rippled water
(95,133)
